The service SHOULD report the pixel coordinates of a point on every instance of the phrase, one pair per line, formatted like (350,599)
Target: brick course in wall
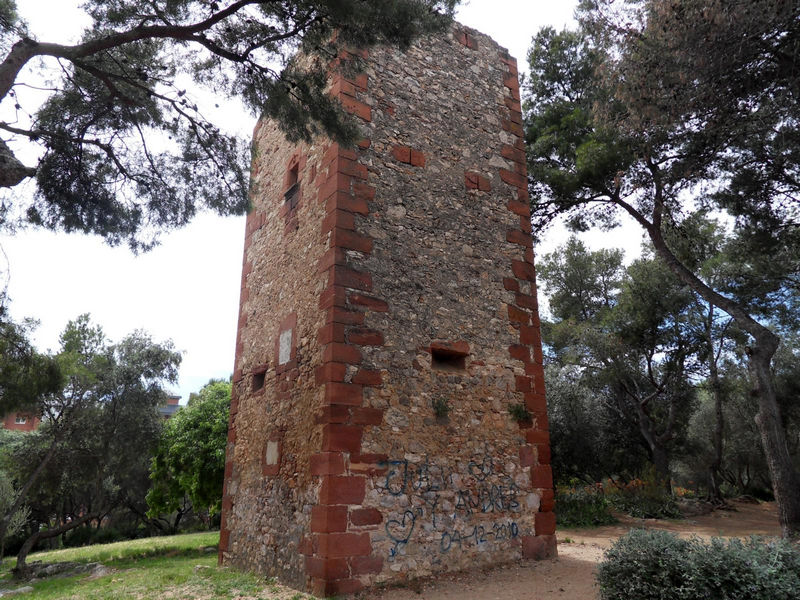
(401,280)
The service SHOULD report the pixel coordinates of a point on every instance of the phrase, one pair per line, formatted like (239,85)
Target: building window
(258,381)
(20,420)
(292,194)
(449,355)
(443,360)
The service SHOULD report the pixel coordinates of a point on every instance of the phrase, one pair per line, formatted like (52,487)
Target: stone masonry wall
(405,278)
(268,493)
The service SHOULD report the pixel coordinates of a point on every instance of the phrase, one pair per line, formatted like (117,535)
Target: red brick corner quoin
(524,316)
(340,549)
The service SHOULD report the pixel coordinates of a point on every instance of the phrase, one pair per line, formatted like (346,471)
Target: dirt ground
(570,576)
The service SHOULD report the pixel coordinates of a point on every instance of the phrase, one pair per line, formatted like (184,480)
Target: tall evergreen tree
(627,335)
(659,108)
(25,374)
(125,151)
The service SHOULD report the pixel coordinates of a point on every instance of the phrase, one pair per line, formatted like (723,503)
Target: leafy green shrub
(646,505)
(643,498)
(582,506)
(80,536)
(87,535)
(656,565)
(108,535)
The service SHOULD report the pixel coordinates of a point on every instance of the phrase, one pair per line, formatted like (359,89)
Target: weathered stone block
(338,437)
(328,519)
(342,490)
(545,523)
(541,477)
(368,377)
(373,304)
(327,463)
(539,547)
(366,516)
(327,568)
(335,545)
(365,565)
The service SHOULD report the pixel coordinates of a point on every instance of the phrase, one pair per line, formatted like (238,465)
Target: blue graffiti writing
(488,498)
(446,495)
(427,478)
(402,477)
(479,535)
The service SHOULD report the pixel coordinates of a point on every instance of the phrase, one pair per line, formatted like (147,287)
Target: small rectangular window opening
(20,420)
(292,194)
(443,360)
(258,381)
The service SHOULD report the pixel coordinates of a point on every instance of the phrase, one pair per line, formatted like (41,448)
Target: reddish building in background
(170,408)
(25,421)
(21,421)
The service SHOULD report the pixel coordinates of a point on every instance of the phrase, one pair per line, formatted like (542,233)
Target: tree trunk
(12,171)
(785,478)
(21,570)
(178,517)
(661,462)
(714,491)
(658,450)
(23,492)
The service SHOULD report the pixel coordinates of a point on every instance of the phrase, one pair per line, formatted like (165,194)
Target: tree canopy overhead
(664,110)
(124,150)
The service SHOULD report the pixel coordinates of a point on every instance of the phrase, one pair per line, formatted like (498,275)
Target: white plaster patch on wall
(285,347)
(272,454)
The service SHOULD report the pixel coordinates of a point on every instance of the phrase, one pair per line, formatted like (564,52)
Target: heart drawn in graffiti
(400,530)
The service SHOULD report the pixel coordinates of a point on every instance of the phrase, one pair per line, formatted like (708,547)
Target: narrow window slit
(258,381)
(444,360)
(292,193)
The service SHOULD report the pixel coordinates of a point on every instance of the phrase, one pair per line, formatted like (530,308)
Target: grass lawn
(170,567)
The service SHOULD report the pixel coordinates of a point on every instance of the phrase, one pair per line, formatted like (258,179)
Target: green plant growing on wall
(441,407)
(519,413)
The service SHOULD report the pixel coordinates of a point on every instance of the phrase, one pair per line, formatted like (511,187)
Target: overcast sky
(186,290)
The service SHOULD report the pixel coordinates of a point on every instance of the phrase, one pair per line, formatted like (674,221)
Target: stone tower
(389,335)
